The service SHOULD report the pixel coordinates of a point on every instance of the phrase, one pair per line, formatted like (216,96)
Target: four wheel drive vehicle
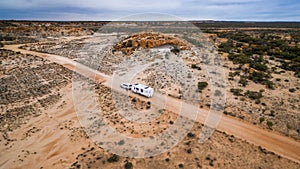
(139,88)
(126,86)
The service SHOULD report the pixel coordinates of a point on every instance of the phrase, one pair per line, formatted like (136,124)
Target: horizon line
(192,20)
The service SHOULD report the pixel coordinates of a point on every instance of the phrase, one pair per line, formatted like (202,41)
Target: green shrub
(128,44)
(241,59)
(175,50)
(226,47)
(257,101)
(243,81)
(189,150)
(191,135)
(113,158)
(7,38)
(259,66)
(272,113)
(270,124)
(258,77)
(194,66)
(133,100)
(253,95)
(292,90)
(262,78)
(122,142)
(160,111)
(231,56)
(202,85)
(128,165)
(269,84)
(236,92)
(261,119)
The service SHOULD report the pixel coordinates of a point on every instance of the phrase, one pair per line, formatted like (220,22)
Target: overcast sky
(239,10)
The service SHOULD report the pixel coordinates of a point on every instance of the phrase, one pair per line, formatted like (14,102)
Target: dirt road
(272,141)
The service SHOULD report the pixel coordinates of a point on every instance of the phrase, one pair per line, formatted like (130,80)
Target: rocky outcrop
(148,40)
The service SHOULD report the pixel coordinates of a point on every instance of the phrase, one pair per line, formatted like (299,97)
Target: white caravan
(142,90)
(138,88)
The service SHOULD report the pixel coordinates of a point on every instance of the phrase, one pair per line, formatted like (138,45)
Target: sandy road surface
(66,62)
(272,141)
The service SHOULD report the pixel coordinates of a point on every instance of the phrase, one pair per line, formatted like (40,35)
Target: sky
(227,10)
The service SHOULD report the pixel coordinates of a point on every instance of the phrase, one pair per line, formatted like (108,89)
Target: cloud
(268,10)
(94,4)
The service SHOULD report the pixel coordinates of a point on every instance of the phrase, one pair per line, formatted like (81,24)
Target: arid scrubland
(39,121)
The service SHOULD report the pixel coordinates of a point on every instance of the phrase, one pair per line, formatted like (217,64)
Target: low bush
(270,124)
(243,81)
(239,58)
(128,165)
(113,158)
(261,119)
(292,90)
(253,95)
(202,85)
(259,66)
(236,92)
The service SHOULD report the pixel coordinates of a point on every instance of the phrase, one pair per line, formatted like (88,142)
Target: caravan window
(142,90)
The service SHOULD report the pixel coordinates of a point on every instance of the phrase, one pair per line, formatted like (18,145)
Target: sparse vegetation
(148,105)
(292,90)
(160,111)
(261,119)
(253,95)
(257,101)
(133,100)
(180,165)
(255,60)
(243,81)
(128,165)
(269,124)
(175,50)
(202,85)
(113,158)
(194,66)
(191,135)
(7,38)
(236,92)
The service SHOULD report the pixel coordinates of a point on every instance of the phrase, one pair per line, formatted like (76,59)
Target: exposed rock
(148,40)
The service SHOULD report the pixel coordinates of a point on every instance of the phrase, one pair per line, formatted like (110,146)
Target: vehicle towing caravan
(139,88)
